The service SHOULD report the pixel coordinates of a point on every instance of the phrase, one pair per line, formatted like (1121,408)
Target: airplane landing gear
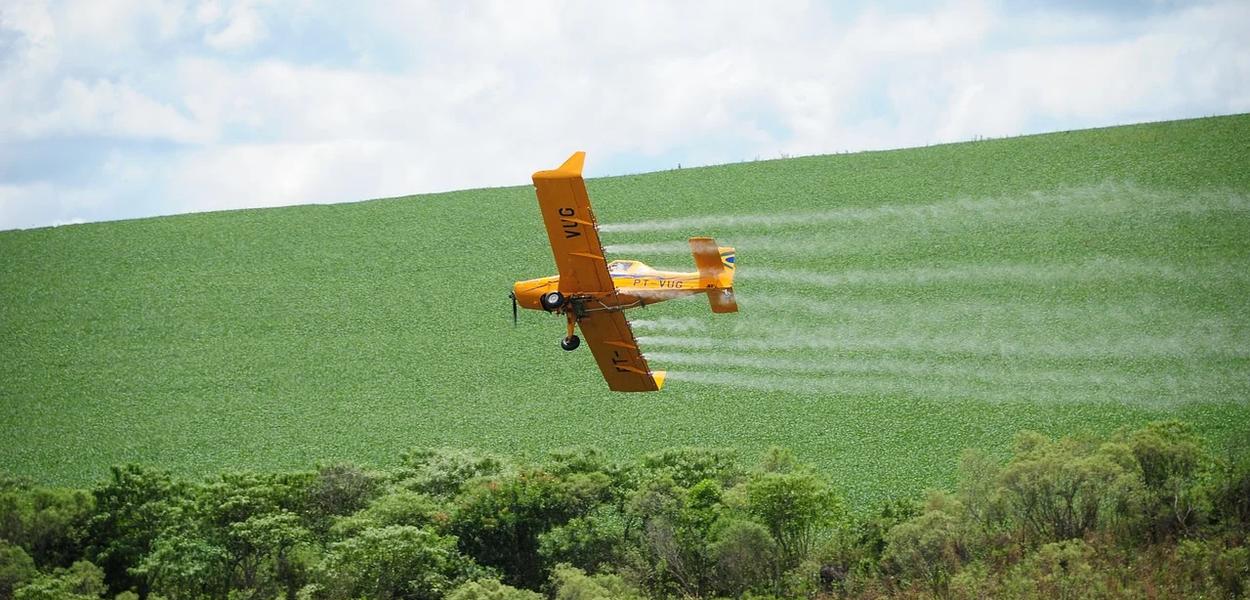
(570,341)
(551,301)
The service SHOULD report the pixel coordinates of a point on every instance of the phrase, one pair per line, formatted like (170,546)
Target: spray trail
(981,373)
(933,387)
(672,325)
(1098,268)
(1103,199)
(1229,346)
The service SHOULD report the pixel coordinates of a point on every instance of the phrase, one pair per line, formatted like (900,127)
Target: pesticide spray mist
(1097,324)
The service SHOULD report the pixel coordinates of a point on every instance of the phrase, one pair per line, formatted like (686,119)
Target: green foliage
(443,472)
(745,558)
(588,543)
(1060,570)
(398,561)
(690,466)
(1059,489)
(339,490)
(131,510)
(794,507)
(491,589)
(1229,491)
(398,507)
(930,547)
(498,521)
(1173,462)
(266,552)
(1074,517)
(16,568)
(571,583)
(1207,565)
(676,527)
(80,581)
(43,521)
(186,566)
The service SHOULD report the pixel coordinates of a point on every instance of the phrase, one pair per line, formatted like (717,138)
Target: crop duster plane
(593,293)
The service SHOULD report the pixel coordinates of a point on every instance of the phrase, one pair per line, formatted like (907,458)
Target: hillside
(896,307)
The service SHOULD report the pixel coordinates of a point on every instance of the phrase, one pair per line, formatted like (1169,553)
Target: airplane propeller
(513,296)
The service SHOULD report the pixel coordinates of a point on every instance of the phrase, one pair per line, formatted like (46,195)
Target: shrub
(927,549)
(1059,490)
(498,521)
(794,507)
(338,490)
(571,583)
(131,511)
(491,589)
(442,472)
(1059,570)
(80,581)
(393,562)
(1172,462)
(745,557)
(399,507)
(43,521)
(588,543)
(16,568)
(688,466)
(1210,569)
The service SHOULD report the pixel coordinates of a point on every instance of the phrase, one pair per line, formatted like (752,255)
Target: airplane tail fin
(716,267)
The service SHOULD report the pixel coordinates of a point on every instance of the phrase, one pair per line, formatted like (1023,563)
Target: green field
(896,307)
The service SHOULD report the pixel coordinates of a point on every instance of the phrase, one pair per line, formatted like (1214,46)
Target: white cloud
(242,27)
(468,95)
(104,108)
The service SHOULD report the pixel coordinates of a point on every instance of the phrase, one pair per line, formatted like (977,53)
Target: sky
(117,109)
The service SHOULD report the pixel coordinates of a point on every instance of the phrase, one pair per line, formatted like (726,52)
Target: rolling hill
(897,307)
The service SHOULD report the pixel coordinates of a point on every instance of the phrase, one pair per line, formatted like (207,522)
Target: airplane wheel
(551,301)
(570,343)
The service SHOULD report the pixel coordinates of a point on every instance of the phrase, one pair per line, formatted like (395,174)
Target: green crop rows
(896,308)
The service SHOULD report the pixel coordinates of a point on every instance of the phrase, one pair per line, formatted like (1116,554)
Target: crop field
(896,307)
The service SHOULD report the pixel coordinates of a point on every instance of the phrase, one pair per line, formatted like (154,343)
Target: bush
(393,562)
(399,507)
(1063,489)
(498,521)
(1229,492)
(43,521)
(443,472)
(688,466)
(491,589)
(794,507)
(927,549)
(588,543)
(745,557)
(186,566)
(571,583)
(131,511)
(81,581)
(16,568)
(1172,462)
(1059,570)
(339,490)
(1210,569)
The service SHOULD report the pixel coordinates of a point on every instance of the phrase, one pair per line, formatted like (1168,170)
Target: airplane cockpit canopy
(625,267)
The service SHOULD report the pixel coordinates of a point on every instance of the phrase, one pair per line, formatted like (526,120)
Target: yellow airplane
(593,293)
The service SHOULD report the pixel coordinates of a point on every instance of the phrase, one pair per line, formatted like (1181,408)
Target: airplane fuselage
(640,286)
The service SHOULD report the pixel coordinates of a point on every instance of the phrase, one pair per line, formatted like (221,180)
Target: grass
(897,307)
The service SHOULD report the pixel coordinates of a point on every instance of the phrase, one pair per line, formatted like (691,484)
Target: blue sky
(117,109)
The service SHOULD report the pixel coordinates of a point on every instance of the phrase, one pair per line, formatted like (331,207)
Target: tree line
(1152,512)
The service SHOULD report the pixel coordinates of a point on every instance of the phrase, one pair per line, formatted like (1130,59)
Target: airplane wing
(612,342)
(571,228)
